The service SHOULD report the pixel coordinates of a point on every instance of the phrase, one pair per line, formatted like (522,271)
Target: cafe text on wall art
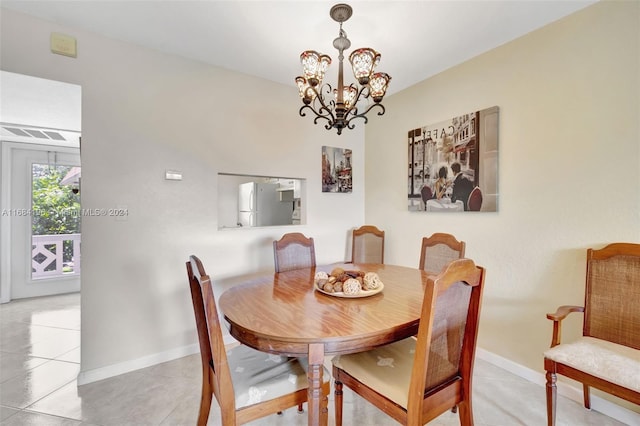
(336,169)
(453,164)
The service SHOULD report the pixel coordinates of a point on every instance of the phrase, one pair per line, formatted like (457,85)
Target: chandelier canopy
(342,108)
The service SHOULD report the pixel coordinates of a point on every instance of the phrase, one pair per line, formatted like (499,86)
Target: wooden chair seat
(259,376)
(388,369)
(600,358)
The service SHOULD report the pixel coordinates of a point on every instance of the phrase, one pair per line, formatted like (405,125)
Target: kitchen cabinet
(291,187)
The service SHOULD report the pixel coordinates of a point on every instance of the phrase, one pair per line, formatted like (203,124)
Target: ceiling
(417,39)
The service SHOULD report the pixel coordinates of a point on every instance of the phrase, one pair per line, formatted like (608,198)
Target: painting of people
(453,164)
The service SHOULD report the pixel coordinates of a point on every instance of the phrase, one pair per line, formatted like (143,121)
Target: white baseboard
(90,376)
(599,404)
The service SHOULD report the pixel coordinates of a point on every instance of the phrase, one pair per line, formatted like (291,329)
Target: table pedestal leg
(317,403)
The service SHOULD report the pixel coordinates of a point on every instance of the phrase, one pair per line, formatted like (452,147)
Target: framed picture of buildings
(453,164)
(336,169)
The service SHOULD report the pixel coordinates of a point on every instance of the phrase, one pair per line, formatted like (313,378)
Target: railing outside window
(48,259)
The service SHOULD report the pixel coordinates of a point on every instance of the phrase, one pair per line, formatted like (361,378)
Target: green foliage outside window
(55,207)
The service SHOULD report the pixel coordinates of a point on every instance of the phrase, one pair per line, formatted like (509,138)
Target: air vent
(34,133)
(17,132)
(54,135)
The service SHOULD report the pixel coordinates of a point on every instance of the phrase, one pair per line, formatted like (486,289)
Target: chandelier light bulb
(378,85)
(349,94)
(314,65)
(305,91)
(364,61)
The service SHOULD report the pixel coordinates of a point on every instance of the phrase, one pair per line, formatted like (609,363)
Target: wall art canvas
(336,169)
(453,164)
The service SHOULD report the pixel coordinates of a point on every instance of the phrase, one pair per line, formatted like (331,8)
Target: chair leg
(338,402)
(300,408)
(587,396)
(205,406)
(454,409)
(551,398)
(465,413)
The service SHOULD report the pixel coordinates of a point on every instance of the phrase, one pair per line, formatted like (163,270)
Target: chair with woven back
(247,384)
(293,251)
(417,379)
(438,250)
(367,245)
(607,355)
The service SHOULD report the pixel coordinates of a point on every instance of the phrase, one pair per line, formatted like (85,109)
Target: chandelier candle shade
(340,110)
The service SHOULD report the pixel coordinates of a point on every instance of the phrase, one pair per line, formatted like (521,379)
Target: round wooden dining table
(285,314)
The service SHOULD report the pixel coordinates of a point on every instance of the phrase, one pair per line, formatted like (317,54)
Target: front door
(43,212)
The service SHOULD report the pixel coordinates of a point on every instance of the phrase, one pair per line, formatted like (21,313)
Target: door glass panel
(55,224)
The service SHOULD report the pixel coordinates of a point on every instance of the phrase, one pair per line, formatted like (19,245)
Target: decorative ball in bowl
(348,283)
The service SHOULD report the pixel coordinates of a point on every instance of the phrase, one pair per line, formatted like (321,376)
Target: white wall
(569,168)
(144,112)
(39,102)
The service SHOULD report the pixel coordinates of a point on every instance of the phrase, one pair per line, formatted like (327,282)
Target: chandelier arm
(328,109)
(320,108)
(303,107)
(324,90)
(364,114)
(318,102)
(325,113)
(318,115)
(321,112)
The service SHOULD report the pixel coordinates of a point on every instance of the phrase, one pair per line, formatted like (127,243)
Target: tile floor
(40,356)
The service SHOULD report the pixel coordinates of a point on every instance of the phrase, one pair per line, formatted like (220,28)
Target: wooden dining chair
(293,251)
(417,379)
(607,355)
(367,245)
(247,384)
(438,250)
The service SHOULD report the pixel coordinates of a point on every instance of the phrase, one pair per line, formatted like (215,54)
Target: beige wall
(569,162)
(142,113)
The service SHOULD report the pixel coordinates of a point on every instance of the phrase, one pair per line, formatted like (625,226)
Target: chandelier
(342,108)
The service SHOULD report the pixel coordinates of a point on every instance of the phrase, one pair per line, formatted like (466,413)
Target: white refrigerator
(259,205)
